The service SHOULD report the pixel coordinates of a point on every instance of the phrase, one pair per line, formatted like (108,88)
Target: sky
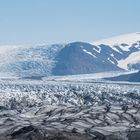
(63,21)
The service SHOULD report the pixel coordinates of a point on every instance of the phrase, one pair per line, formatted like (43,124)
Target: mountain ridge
(72,58)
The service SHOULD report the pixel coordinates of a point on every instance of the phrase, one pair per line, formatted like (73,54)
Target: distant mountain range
(114,54)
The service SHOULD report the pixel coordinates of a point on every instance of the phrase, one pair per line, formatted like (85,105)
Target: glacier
(39,109)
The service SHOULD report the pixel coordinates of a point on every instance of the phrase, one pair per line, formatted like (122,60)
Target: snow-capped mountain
(83,58)
(113,54)
(127,48)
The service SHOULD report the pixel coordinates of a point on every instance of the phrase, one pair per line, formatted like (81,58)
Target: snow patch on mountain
(98,49)
(89,53)
(111,61)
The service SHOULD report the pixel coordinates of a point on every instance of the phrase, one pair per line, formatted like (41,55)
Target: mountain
(117,53)
(83,58)
(135,77)
(113,54)
(127,48)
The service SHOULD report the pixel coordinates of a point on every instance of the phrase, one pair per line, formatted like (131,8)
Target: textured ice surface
(92,108)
